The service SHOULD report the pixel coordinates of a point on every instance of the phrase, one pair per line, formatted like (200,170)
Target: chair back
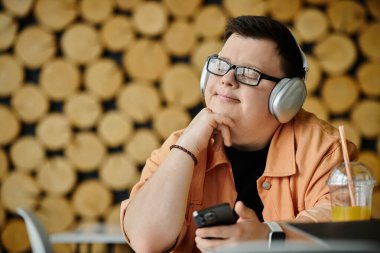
(38,236)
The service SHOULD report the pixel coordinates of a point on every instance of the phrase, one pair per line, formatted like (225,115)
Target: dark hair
(261,27)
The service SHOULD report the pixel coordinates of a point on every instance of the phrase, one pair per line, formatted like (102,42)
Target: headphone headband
(304,60)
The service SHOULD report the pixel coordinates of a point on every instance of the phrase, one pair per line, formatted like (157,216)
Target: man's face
(246,105)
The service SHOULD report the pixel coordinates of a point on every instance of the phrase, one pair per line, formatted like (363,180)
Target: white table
(89,234)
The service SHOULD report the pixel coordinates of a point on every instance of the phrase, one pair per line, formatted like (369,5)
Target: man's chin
(222,111)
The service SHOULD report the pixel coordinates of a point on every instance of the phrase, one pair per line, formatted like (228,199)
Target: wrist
(189,153)
(189,145)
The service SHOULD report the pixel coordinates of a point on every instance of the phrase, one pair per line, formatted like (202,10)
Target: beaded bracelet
(186,151)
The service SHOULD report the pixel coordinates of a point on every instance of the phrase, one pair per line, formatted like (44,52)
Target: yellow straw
(348,167)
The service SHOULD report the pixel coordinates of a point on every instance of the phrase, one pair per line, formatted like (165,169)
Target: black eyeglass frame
(233,66)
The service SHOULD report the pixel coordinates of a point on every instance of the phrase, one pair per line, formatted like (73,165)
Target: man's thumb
(244,212)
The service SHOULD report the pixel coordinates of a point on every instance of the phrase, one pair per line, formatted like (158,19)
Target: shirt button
(266,185)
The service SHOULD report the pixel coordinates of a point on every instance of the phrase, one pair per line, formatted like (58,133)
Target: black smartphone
(220,214)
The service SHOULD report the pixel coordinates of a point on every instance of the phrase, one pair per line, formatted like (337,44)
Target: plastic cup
(342,208)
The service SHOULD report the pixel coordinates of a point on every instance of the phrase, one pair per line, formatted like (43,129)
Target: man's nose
(229,78)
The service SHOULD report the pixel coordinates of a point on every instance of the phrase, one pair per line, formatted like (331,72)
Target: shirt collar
(281,160)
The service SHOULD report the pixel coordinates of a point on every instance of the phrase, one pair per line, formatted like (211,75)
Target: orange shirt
(293,185)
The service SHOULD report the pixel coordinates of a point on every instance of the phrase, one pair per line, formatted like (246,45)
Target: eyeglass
(245,75)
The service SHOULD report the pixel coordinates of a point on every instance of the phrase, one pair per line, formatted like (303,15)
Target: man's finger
(221,232)
(218,141)
(225,131)
(244,212)
(207,245)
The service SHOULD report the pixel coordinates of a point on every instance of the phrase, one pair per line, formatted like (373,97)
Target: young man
(242,149)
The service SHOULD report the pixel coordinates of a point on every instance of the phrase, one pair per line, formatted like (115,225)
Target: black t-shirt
(247,167)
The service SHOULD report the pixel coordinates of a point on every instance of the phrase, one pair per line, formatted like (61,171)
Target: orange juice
(350,213)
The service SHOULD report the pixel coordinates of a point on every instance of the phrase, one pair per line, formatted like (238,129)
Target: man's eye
(249,73)
(221,66)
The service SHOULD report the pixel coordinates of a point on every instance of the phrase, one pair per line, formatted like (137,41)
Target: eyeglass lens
(244,75)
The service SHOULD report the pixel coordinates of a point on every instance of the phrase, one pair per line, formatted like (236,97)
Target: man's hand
(248,227)
(205,126)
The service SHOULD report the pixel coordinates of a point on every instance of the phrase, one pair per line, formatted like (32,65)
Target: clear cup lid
(360,174)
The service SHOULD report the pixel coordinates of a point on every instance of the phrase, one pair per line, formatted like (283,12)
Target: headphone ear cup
(204,78)
(287,98)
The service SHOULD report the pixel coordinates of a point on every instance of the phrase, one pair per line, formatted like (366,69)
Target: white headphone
(286,98)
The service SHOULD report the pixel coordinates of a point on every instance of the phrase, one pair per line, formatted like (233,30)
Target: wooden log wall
(88,88)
